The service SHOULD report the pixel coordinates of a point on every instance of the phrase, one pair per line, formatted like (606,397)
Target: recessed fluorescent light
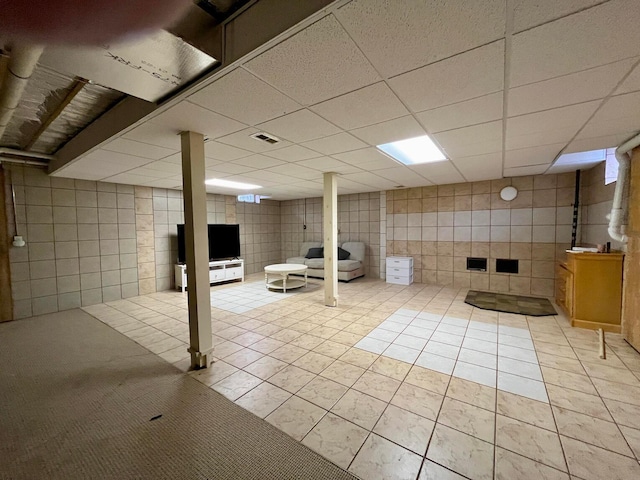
(218,182)
(413,150)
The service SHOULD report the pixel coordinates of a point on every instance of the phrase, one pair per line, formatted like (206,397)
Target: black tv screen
(224,242)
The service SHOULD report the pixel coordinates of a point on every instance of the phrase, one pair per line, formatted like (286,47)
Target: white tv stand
(219,271)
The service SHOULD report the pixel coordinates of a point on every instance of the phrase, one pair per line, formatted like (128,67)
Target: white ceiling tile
(527,14)
(148,172)
(367,159)
(138,149)
(328,164)
(155,135)
(471,141)
(369,105)
(398,36)
(480,167)
(258,162)
(631,83)
(346,185)
(371,180)
(595,143)
(296,170)
(243,97)
(619,114)
(103,159)
(186,116)
(261,175)
(223,152)
(542,155)
(569,168)
(231,168)
(243,139)
(469,75)
(597,36)
(463,114)
(390,131)
(341,142)
(293,153)
(569,89)
(171,168)
(548,127)
(163,183)
(319,63)
(402,175)
(439,172)
(300,126)
(129,179)
(523,171)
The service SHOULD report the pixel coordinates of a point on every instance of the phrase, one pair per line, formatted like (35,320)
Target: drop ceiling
(502,87)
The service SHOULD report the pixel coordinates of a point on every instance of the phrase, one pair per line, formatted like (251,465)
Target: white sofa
(348,269)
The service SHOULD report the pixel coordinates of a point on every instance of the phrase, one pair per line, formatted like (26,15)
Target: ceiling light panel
(421,28)
(219,182)
(369,105)
(469,112)
(535,54)
(243,97)
(300,126)
(472,74)
(414,151)
(319,63)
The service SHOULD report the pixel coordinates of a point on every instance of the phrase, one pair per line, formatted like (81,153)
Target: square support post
(330,234)
(196,248)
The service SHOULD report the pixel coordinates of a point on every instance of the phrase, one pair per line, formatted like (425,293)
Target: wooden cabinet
(589,289)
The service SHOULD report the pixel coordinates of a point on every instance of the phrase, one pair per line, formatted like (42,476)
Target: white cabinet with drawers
(400,270)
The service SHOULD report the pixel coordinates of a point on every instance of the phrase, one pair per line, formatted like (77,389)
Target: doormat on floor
(501,302)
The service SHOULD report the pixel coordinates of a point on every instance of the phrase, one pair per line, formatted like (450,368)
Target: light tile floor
(419,399)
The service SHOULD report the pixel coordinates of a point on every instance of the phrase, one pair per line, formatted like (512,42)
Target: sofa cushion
(316,263)
(315,252)
(348,265)
(343,254)
(304,248)
(356,249)
(296,260)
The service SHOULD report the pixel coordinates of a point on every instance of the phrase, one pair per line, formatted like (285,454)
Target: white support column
(196,248)
(330,234)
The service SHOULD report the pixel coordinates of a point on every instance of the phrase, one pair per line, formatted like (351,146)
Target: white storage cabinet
(219,271)
(400,270)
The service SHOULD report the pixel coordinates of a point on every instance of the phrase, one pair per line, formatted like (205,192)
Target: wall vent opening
(504,265)
(477,264)
(265,137)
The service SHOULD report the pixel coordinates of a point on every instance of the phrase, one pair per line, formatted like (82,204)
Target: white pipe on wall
(618,210)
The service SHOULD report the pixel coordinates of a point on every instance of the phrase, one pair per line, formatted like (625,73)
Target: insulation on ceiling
(44,92)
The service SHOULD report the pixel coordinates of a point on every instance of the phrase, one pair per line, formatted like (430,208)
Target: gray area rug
(502,302)
(78,399)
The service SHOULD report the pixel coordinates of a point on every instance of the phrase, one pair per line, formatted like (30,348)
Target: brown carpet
(77,398)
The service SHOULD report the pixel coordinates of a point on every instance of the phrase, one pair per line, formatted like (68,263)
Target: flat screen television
(224,242)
